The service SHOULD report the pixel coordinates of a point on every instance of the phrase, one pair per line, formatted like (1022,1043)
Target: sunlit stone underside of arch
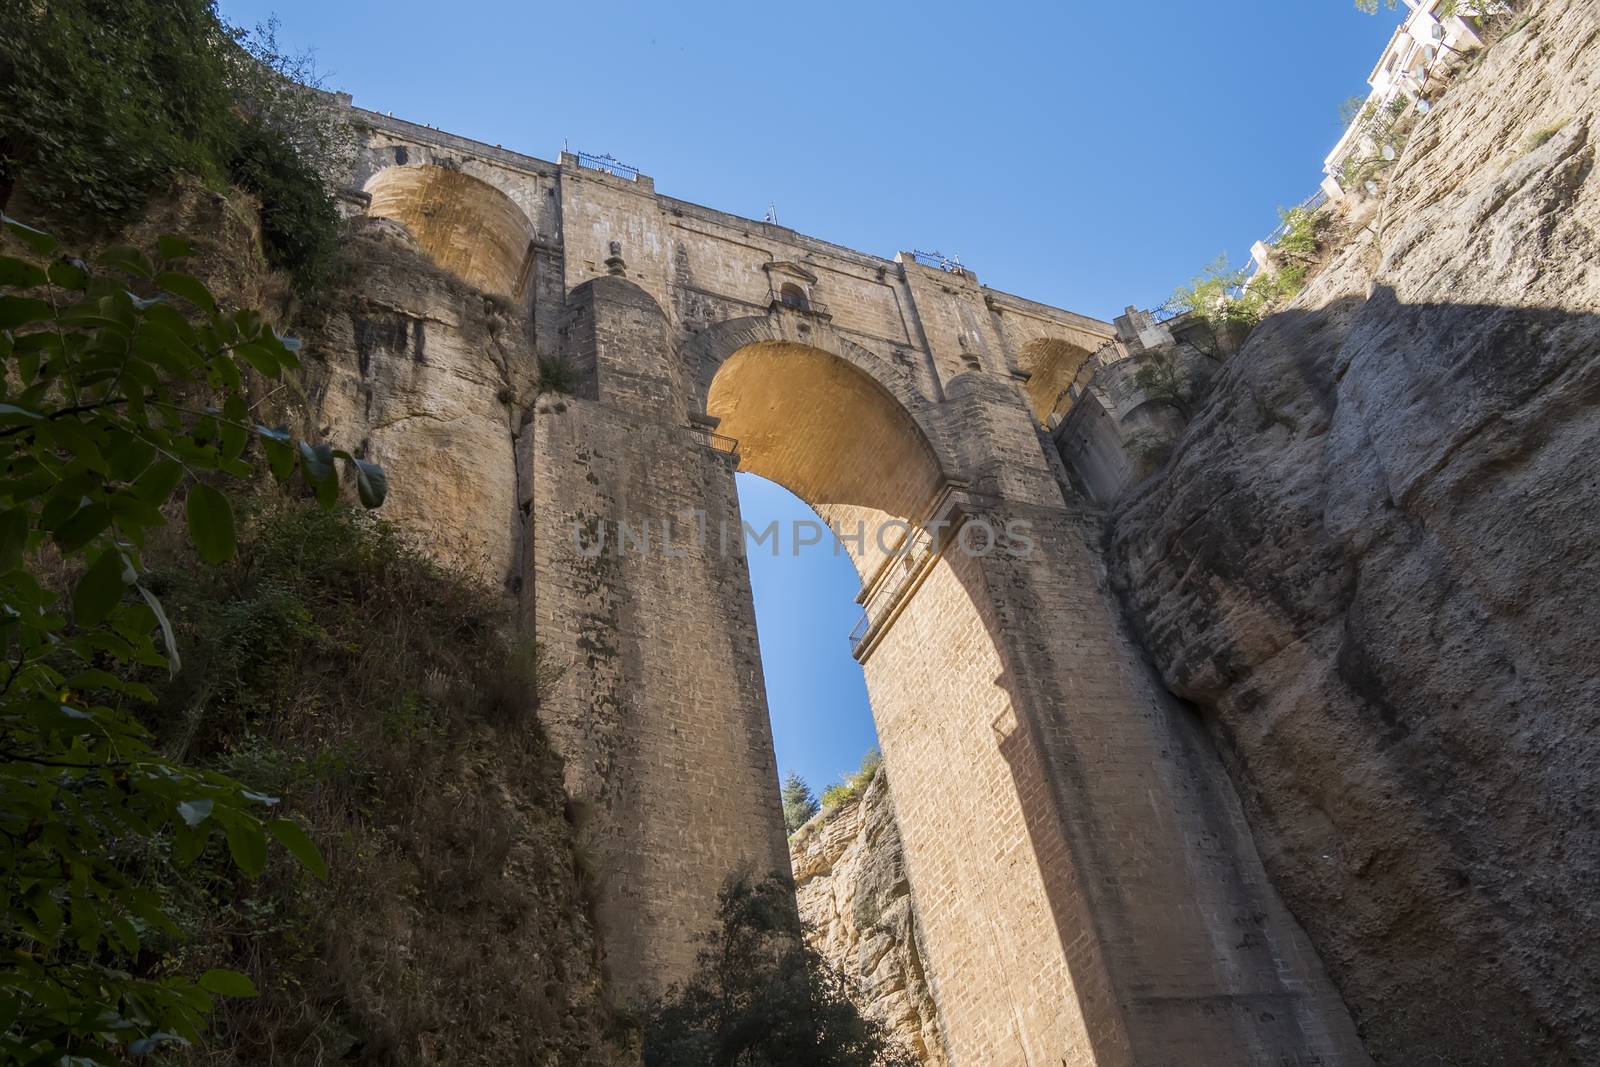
(466,226)
(1051,364)
(825,431)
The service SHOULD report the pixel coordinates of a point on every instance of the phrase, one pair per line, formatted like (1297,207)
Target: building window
(791,295)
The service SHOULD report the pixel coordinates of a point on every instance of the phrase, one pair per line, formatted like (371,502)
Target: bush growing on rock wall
(103,104)
(762,997)
(1161,378)
(847,790)
(299,223)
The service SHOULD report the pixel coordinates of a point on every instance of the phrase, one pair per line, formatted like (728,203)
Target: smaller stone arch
(467,226)
(1051,364)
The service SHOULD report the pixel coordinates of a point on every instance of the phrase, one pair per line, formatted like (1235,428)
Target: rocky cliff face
(1372,566)
(431,378)
(851,881)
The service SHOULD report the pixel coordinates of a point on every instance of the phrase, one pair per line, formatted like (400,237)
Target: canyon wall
(1371,567)
(850,880)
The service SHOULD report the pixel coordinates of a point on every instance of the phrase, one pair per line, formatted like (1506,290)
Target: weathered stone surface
(427,376)
(1372,564)
(850,878)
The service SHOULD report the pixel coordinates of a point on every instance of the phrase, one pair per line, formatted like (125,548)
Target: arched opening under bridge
(1051,365)
(465,225)
(819,425)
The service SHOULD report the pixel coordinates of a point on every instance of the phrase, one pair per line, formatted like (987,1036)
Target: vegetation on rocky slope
(103,104)
(382,699)
(762,996)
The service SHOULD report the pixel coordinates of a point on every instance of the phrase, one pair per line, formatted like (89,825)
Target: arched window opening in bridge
(791,295)
(464,224)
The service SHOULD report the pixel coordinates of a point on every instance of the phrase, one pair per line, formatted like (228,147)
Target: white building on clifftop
(1422,53)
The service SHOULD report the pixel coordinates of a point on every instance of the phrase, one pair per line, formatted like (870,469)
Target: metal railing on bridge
(939,261)
(608,164)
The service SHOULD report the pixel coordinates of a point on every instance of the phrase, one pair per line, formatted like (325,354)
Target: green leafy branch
(104,419)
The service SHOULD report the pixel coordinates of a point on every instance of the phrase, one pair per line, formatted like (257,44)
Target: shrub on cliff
(847,790)
(102,104)
(762,997)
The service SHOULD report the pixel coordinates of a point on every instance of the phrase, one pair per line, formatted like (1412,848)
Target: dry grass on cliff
(381,697)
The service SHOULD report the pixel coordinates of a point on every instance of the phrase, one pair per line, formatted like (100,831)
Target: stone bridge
(1087,886)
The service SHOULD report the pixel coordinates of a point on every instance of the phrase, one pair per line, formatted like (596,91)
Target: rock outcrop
(851,883)
(1372,562)
(430,378)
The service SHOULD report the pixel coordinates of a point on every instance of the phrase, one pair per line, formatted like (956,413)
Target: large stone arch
(466,225)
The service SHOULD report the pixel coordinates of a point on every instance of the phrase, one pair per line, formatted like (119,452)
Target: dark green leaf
(232,430)
(99,590)
(316,467)
(190,288)
(69,273)
(279,452)
(372,485)
(248,845)
(38,242)
(158,481)
(210,523)
(260,355)
(172,247)
(20,310)
(127,258)
(20,274)
(13,538)
(227,984)
(85,524)
(300,845)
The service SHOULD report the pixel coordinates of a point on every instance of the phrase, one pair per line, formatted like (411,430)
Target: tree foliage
(124,390)
(101,101)
(102,104)
(799,803)
(286,92)
(761,997)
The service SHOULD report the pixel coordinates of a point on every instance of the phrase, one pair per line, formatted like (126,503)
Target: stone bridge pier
(1087,884)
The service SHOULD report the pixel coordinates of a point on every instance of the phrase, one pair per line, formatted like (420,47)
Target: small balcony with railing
(790,297)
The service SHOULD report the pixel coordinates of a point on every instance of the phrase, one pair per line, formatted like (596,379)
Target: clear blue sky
(1089,155)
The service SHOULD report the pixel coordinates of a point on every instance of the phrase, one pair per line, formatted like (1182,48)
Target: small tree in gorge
(762,997)
(799,803)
